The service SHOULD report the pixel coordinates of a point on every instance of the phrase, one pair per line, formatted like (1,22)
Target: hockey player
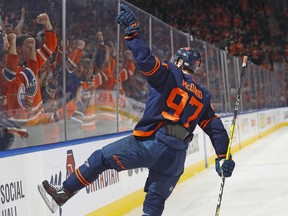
(175,105)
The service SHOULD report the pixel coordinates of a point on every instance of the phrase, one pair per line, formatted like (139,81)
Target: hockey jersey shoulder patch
(31,82)
(8,74)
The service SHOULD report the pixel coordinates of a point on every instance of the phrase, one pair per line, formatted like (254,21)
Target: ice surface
(258,187)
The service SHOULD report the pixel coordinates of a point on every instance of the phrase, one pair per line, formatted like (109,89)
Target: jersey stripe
(156,67)
(147,133)
(8,74)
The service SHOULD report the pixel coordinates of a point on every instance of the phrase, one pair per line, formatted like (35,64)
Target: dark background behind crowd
(254,27)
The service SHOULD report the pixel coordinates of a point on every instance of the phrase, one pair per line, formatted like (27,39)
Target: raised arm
(50,43)
(12,58)
(145,61)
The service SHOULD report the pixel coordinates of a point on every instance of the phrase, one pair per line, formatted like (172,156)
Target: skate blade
(51,204)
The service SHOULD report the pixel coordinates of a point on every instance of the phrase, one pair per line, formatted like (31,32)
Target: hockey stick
(228,153)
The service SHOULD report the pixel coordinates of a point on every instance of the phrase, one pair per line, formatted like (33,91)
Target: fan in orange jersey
(21,87)
(108,64)
(52,93)
(4,46)
(29,99)
(127,70)
(93,75)
(101,55)
(95,72)
(109,67)
(73,78)
(85,113)
(25,116)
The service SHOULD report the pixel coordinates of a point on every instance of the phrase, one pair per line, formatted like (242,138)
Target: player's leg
(162,179)
(132,153)
(158,188)
(82,177)
(123,154)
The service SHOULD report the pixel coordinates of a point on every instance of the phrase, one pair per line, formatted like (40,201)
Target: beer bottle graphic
(70,163)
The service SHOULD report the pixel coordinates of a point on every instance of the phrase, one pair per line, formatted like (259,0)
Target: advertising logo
(70,163)
(9,194)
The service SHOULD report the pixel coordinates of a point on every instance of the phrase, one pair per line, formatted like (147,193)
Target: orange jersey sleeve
(98,81)
(74,58)
(46,49)
(108,70)
(128,71)
(71,107)
(10,69)
(95,83)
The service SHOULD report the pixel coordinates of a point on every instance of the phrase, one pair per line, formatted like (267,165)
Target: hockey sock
(86,173)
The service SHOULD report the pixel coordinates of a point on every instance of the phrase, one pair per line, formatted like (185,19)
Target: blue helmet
(191,58)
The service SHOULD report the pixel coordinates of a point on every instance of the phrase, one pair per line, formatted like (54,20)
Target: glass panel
(261,89)
(281,80)
(249,94)
(132,84)
(202,74)
(161,40)
(233,80)
(268,89)
(180,40)
(216,79)
(89,23)
(257,85)
(104,92)
(31,93)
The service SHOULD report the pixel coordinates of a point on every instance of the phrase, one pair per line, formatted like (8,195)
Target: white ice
(258,187)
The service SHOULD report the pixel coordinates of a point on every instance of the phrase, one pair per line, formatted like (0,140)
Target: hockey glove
(227,167)
(127,18)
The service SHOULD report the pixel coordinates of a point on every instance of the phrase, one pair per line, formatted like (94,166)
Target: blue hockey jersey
(174,97)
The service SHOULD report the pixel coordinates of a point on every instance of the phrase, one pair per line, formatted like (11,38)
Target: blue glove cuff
(218,167)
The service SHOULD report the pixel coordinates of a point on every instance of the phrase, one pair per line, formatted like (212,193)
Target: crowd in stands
(32,90)
(254,27)
(35,99)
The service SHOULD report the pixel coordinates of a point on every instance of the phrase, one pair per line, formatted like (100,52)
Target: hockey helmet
(191,58)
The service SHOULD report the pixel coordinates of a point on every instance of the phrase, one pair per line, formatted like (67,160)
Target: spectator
(249,25)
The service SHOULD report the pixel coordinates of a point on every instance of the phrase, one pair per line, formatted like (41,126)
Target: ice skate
(51,204)
(58,193)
